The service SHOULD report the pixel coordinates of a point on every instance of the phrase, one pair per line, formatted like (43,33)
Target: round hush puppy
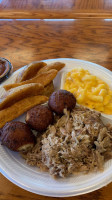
(39,118)
(61,99)
(17,136)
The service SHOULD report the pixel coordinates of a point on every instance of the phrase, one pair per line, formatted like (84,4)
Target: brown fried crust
(39,118)
(56,65)
(19,108)
(45,78)
(29,71)
(61,99)
(48,90)
(14,95)
(16,135)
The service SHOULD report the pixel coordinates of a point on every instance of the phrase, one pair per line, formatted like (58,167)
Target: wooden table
(24,41)
(51,9)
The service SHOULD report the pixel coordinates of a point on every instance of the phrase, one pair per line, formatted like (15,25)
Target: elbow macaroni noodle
(89,90)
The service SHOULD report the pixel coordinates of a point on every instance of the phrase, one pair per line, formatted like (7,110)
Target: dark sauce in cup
(2,67)
(5,69)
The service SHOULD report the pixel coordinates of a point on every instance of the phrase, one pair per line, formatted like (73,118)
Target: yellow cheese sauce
(89,90)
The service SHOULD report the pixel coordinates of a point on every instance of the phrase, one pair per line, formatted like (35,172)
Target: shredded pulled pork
(77,142)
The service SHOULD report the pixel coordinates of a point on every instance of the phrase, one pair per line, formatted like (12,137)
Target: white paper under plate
(31,178)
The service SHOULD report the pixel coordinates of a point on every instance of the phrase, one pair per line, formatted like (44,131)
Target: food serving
(2,67)
(17,136)
(19,108)
(39,118)
(19,93)
(77,142)
(68,138)
(61,99)
(34,88)
(45,79)
(29,71)
(89,90)
(5,69)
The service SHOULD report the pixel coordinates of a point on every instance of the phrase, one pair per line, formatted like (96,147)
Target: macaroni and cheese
(89,90)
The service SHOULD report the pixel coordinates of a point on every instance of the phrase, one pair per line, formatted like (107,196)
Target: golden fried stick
(45,78)
(19,108)
(29,71)
(14,95)
(49,89)
(57,65)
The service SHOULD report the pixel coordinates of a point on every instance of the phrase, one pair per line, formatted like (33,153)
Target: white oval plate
(32,179)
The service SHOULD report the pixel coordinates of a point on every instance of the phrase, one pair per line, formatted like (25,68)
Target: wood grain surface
(24,41)
(55,9)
